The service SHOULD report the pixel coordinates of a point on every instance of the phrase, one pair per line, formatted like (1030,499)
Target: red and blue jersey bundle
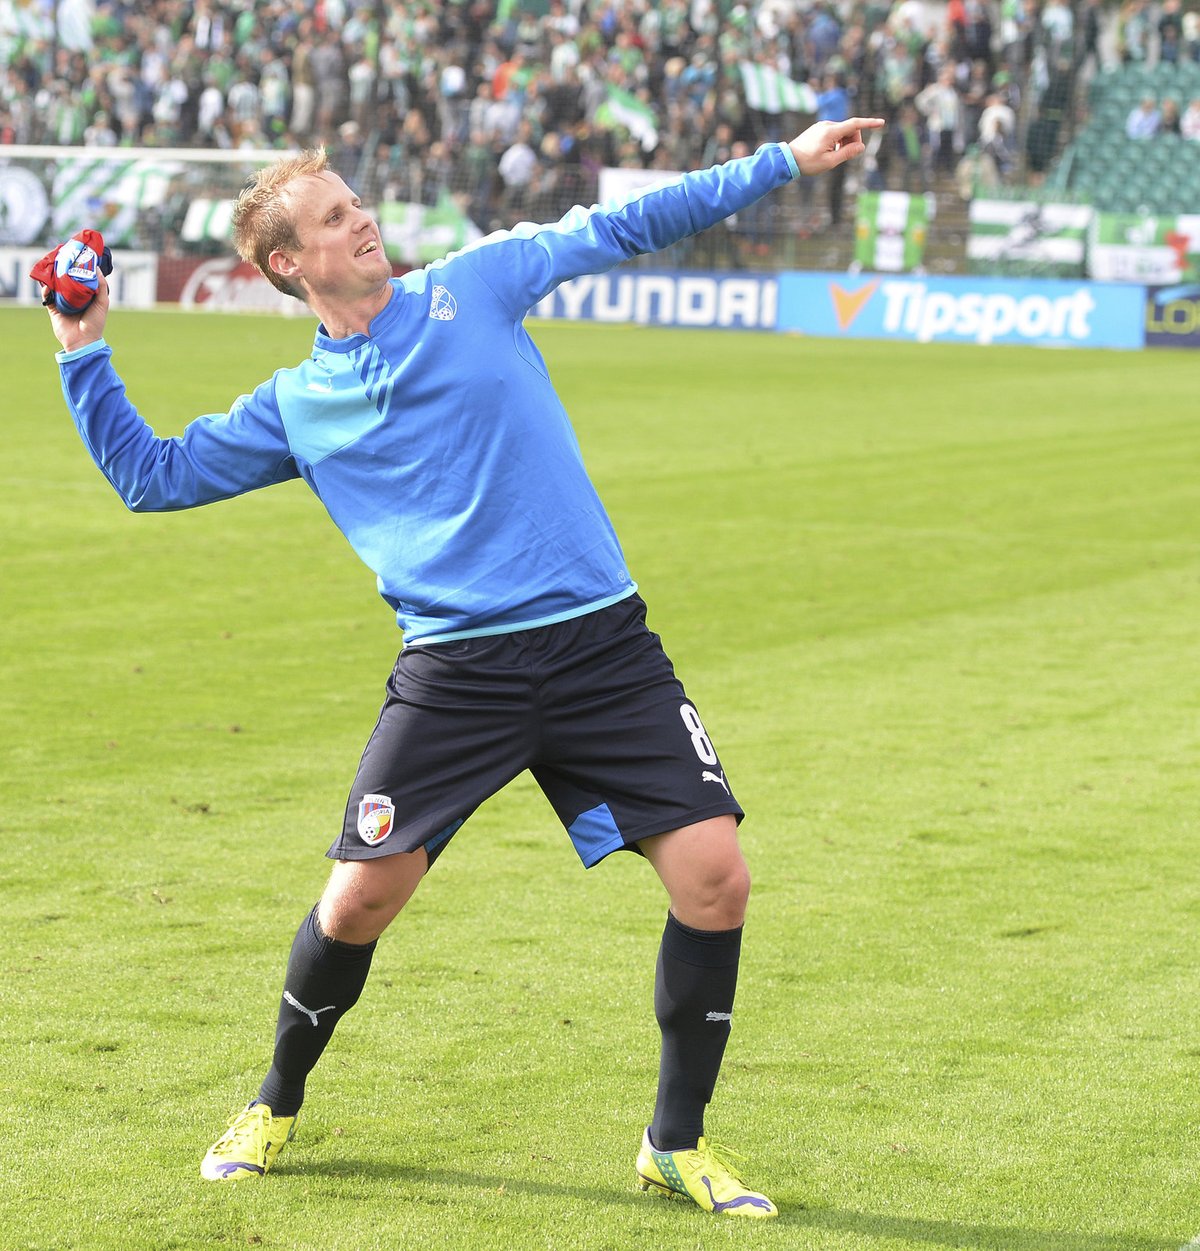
(71,272)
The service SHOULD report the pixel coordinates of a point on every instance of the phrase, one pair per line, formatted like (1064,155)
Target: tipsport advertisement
(1045,313)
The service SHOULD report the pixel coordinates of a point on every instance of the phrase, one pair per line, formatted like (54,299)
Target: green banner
(108,195)
(769,91)
(415,234)
(208,220)
(1137,248)
(1024,238)
(623,109)
(890,230)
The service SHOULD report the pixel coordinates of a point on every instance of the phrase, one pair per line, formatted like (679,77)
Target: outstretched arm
(524,264)
(825,145)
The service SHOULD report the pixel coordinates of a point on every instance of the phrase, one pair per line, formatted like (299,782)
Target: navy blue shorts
(591,706)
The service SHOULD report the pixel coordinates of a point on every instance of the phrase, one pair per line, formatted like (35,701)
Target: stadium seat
(1161,175)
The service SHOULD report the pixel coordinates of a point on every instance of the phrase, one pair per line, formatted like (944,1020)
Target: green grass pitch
(938,606)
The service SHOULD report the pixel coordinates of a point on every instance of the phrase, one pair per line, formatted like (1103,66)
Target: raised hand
(825,145)
(80,329)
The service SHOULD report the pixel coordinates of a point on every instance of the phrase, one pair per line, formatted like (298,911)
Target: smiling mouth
(367,248)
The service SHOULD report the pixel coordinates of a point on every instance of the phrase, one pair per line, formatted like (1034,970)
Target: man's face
(341,252)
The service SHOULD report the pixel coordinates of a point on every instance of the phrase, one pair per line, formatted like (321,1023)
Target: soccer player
(426,424)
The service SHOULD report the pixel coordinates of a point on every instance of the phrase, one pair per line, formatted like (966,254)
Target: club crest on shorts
(376,816)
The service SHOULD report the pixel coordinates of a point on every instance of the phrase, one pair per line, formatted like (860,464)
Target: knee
(359,900)
(717,898)
(734,892)
(348,916)
(362,897)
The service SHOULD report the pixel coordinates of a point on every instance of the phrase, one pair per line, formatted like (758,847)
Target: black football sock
(324,980)
(693,1000)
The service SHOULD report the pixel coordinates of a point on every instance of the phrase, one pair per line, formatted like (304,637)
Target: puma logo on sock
(308,1012)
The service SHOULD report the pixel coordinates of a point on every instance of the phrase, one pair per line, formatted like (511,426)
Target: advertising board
(727,301)
(1173,316)
(1047,313)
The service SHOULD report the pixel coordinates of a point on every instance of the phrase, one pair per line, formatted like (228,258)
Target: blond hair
(262,219)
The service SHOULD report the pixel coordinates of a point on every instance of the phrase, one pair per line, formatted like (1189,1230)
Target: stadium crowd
(515,106)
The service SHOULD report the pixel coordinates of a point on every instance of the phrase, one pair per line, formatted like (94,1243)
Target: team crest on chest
(376,817)
(442,307)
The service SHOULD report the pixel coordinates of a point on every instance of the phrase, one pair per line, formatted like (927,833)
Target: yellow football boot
(249,1146)
(705,1174)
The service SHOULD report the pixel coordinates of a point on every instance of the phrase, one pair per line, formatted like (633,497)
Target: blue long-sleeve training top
(436,442)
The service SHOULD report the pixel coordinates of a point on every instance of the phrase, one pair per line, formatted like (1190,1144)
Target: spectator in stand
(978,37)
(997,135)
(1169,121)
(941,107)
(1058,27)
(824,35)
(956,28)
(564,21)
(905,143)
(362,89)
(478,167)
(546,186)
(168,110)
(243,104)
(518,165)
(897,68)
(851,56)
(276,92)
(974,93)
(833,105)
(348,153)
(501,117)
(1133,32)
(937,56)
(330,82)
(1009,88)
(1190,27)
(1144,119)
(1170,32)
(122,85)
(438,173)
(563,100)
(1189,123)
(1016,31)
(1087,47)
(510,75)
(453,100)
(99,134)
(304,90)
(210,109)
(719,147)
(915,16)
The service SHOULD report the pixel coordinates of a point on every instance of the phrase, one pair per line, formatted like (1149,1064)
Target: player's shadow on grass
(966,1237)
(961,1234)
